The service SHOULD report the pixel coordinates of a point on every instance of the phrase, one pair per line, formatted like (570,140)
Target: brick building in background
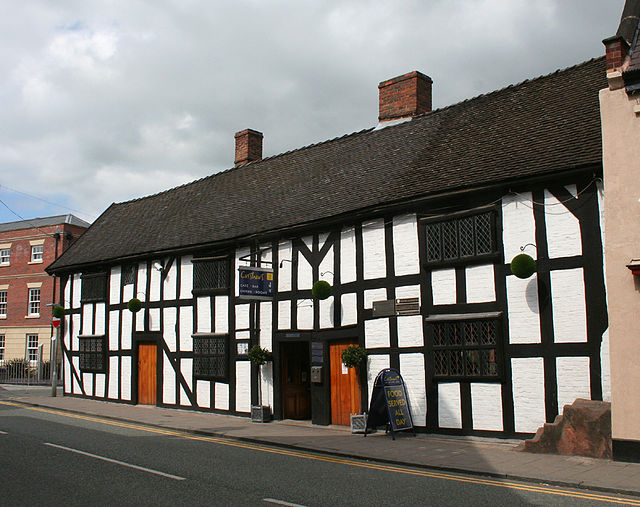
(26,248)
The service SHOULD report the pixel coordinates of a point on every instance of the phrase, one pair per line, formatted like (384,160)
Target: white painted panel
(67,376)
(284,314)
(349,309)
(371,295)
(127,292)
(486,406)
(67,292)
(243,386)
(170,283)
(405,245)
(563,229)
(322,239)
(154,319)
(348,255)
(66,337)
(375,363)
(204,314)
(125,376)
(76,331)
(168,381)
(243,335)
(186,277)
(518,225)
(169,328)
(87,382)
(574,380)
(141,293)
(410,331)
(572,189)
(606,367)
(186,368)
(154,289)
(242,316)
(480,284)
(114,328)
(203,393)
(186,328)
(265,338)
(221,324)
(376,333)
(522,306)
(308,241)
(127,322)
(443,283)
(241,252)
(326,269)
(284,273)
(77,287)
(305,273)
(528,393)
(408,291)
(76,375)
(325,308)
(87,319)
(114,377)
(374,249)
(139,319)
(569,305)
(305,314)
(449,409)
(222,396)
(100,384)
(412,370)
(114,285)
(101,325)
(267,384)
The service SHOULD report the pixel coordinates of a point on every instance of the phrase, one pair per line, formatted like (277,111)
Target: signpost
(389,404)
(256,283)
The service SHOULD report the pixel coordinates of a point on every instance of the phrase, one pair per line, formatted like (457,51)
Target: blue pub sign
(255,283)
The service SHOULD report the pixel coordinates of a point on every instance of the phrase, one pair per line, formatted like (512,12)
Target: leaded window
(467,349)
(129,272)
(463,238)
(211,274)
(94,287)
(92,354)
(3,303)
(210,356)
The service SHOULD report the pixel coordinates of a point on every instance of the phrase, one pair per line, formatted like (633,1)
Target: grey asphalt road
(56,459)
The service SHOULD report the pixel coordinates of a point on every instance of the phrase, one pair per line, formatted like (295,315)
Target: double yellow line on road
(547,490)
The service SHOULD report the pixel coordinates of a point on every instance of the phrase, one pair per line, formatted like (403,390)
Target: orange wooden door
(147,380)
(345,385)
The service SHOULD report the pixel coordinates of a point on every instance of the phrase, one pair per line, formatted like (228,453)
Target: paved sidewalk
(483,456)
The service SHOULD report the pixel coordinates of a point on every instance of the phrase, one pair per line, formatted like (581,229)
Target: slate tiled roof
(543,126)
(42,222)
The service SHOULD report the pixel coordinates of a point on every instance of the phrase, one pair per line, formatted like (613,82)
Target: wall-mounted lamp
(634,266)
(157,266)
(283,261)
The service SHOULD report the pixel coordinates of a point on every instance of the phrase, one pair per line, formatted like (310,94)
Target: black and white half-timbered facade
(429,205)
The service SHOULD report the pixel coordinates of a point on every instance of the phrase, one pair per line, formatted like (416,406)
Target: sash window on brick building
(34,302)
(3,303)
(36,253)
(5,256)
(32,347)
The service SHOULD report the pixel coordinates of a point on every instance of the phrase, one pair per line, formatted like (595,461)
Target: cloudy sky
(105,101)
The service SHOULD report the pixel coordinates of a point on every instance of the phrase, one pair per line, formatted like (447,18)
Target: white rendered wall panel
(449,408)
(139,319)
(375,363)
(408,291)
(325,307)
(412,369)
(406,257)
(67,292)
(77,288)
(305,273)
(326,268)
(186,328)
(563,229)
(221,324)
(67,376)
(308,241)
(125,378)
(410,331)
(284,314)
(169,288)
(371,295)
(66,337)
(305,314)
(221,396)
(100,324)
(87,383)
(376,333)
(154,319)
(154,288)
(114,328)
(349,308)
(127,292)
(242,316)
(285,254)
(243,386)
(267,384)
(481,287)
(348,255)
(100,385)
(114,285)
(486,406)
(168,381)
(266,337)
(204,314)
(443,285)
(114,377)
(186,368)
(169,328)
(76,331)
(375,265)
(141,293)
(518,225)
(523,310)
(76,375)
(186,277)
(203,393)
(569,305)
(528,393)
(574,380)
(87,319)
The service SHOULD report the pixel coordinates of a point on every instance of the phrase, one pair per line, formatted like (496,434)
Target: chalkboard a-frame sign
(389,404)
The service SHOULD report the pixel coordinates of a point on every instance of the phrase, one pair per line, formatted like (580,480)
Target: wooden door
(296,395)
(345,385)
(147,380)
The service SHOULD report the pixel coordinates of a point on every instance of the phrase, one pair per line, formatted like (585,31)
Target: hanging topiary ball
(58,312)
(321,289)
(523,265)
(134,305)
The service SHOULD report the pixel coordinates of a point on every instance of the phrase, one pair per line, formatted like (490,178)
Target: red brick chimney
(248,146)
(616,51)
(404,96)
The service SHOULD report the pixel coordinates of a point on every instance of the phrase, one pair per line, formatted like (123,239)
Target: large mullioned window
(210,356)
(94,287)
(93,357)
(211,275)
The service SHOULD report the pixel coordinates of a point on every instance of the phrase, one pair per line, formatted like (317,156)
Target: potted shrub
(260,356)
